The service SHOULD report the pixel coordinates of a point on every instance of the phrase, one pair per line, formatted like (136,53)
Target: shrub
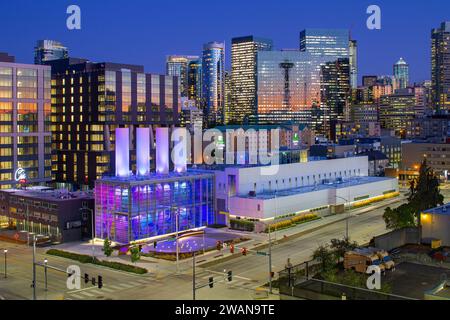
(291,222)
(242,225)
(88,259)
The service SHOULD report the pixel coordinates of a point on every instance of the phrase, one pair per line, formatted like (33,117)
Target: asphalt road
(249,271)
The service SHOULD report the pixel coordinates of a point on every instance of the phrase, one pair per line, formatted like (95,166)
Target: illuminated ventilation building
(213,83)
(178,66)
(440,68)
(244,52)
(144,204)
(91,100)
(48,50)
(25,118)
(401,74)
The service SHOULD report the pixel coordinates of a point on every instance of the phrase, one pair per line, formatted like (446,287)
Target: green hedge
(88,259)
(243,225)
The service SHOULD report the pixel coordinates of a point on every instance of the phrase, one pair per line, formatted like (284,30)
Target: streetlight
(45,272)
(346,220)
(5,252)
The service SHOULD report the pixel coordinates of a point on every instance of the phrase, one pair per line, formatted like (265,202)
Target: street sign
(260,253)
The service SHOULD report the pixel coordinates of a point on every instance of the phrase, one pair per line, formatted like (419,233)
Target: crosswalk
(94,293)
(237,282)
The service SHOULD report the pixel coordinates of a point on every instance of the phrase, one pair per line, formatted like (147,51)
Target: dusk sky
(145,31)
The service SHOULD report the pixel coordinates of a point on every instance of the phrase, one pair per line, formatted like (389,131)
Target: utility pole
(33,284)
(177,249)
(45,273)
(6,264)
(270,261)
(193,277)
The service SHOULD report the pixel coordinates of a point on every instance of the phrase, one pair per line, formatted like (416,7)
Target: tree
(107,249)
(340,247)
(326,256)
(401,217)
(425,193)
(135,254)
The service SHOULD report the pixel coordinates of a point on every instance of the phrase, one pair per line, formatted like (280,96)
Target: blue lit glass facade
(213,82)
(133,209)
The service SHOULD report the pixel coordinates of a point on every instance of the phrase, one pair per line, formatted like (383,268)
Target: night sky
(145,31)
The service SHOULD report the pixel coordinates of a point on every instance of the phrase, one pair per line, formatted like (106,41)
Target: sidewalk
(261,241)
(161,268)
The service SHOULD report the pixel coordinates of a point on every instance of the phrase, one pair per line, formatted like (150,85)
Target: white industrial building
(260,192)
(436,224)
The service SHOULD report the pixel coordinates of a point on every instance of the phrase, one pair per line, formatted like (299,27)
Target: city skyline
(402,35)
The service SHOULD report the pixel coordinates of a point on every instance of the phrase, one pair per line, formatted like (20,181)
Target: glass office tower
(25,119)
(401,74)
(178,66)
(195,81)
(333,43)
(440,68)
(243,76)
(328,46)
(288,86)
(353,55)
(213,82)
(130,209)
(48,50)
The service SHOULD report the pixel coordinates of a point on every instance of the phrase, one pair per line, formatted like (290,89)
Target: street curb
(209,264)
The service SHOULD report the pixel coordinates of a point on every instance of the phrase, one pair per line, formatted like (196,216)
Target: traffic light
(211,282)
(230,275)
(100,282)
(231,248)
(93,281)
(86,278)
(244,251)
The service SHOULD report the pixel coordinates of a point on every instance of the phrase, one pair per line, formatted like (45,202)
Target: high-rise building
(228,109)
(195,81)
(353,52)
(213,82)
(440,68)
(401,74)
(91,100)
(397,110)
(327,46)
(288,86)
(25,119)
(178,66)
(332,43)
(48,50)
(243,75)
(335,92)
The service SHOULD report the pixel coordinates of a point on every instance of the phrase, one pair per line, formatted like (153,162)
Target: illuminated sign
(20,175)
